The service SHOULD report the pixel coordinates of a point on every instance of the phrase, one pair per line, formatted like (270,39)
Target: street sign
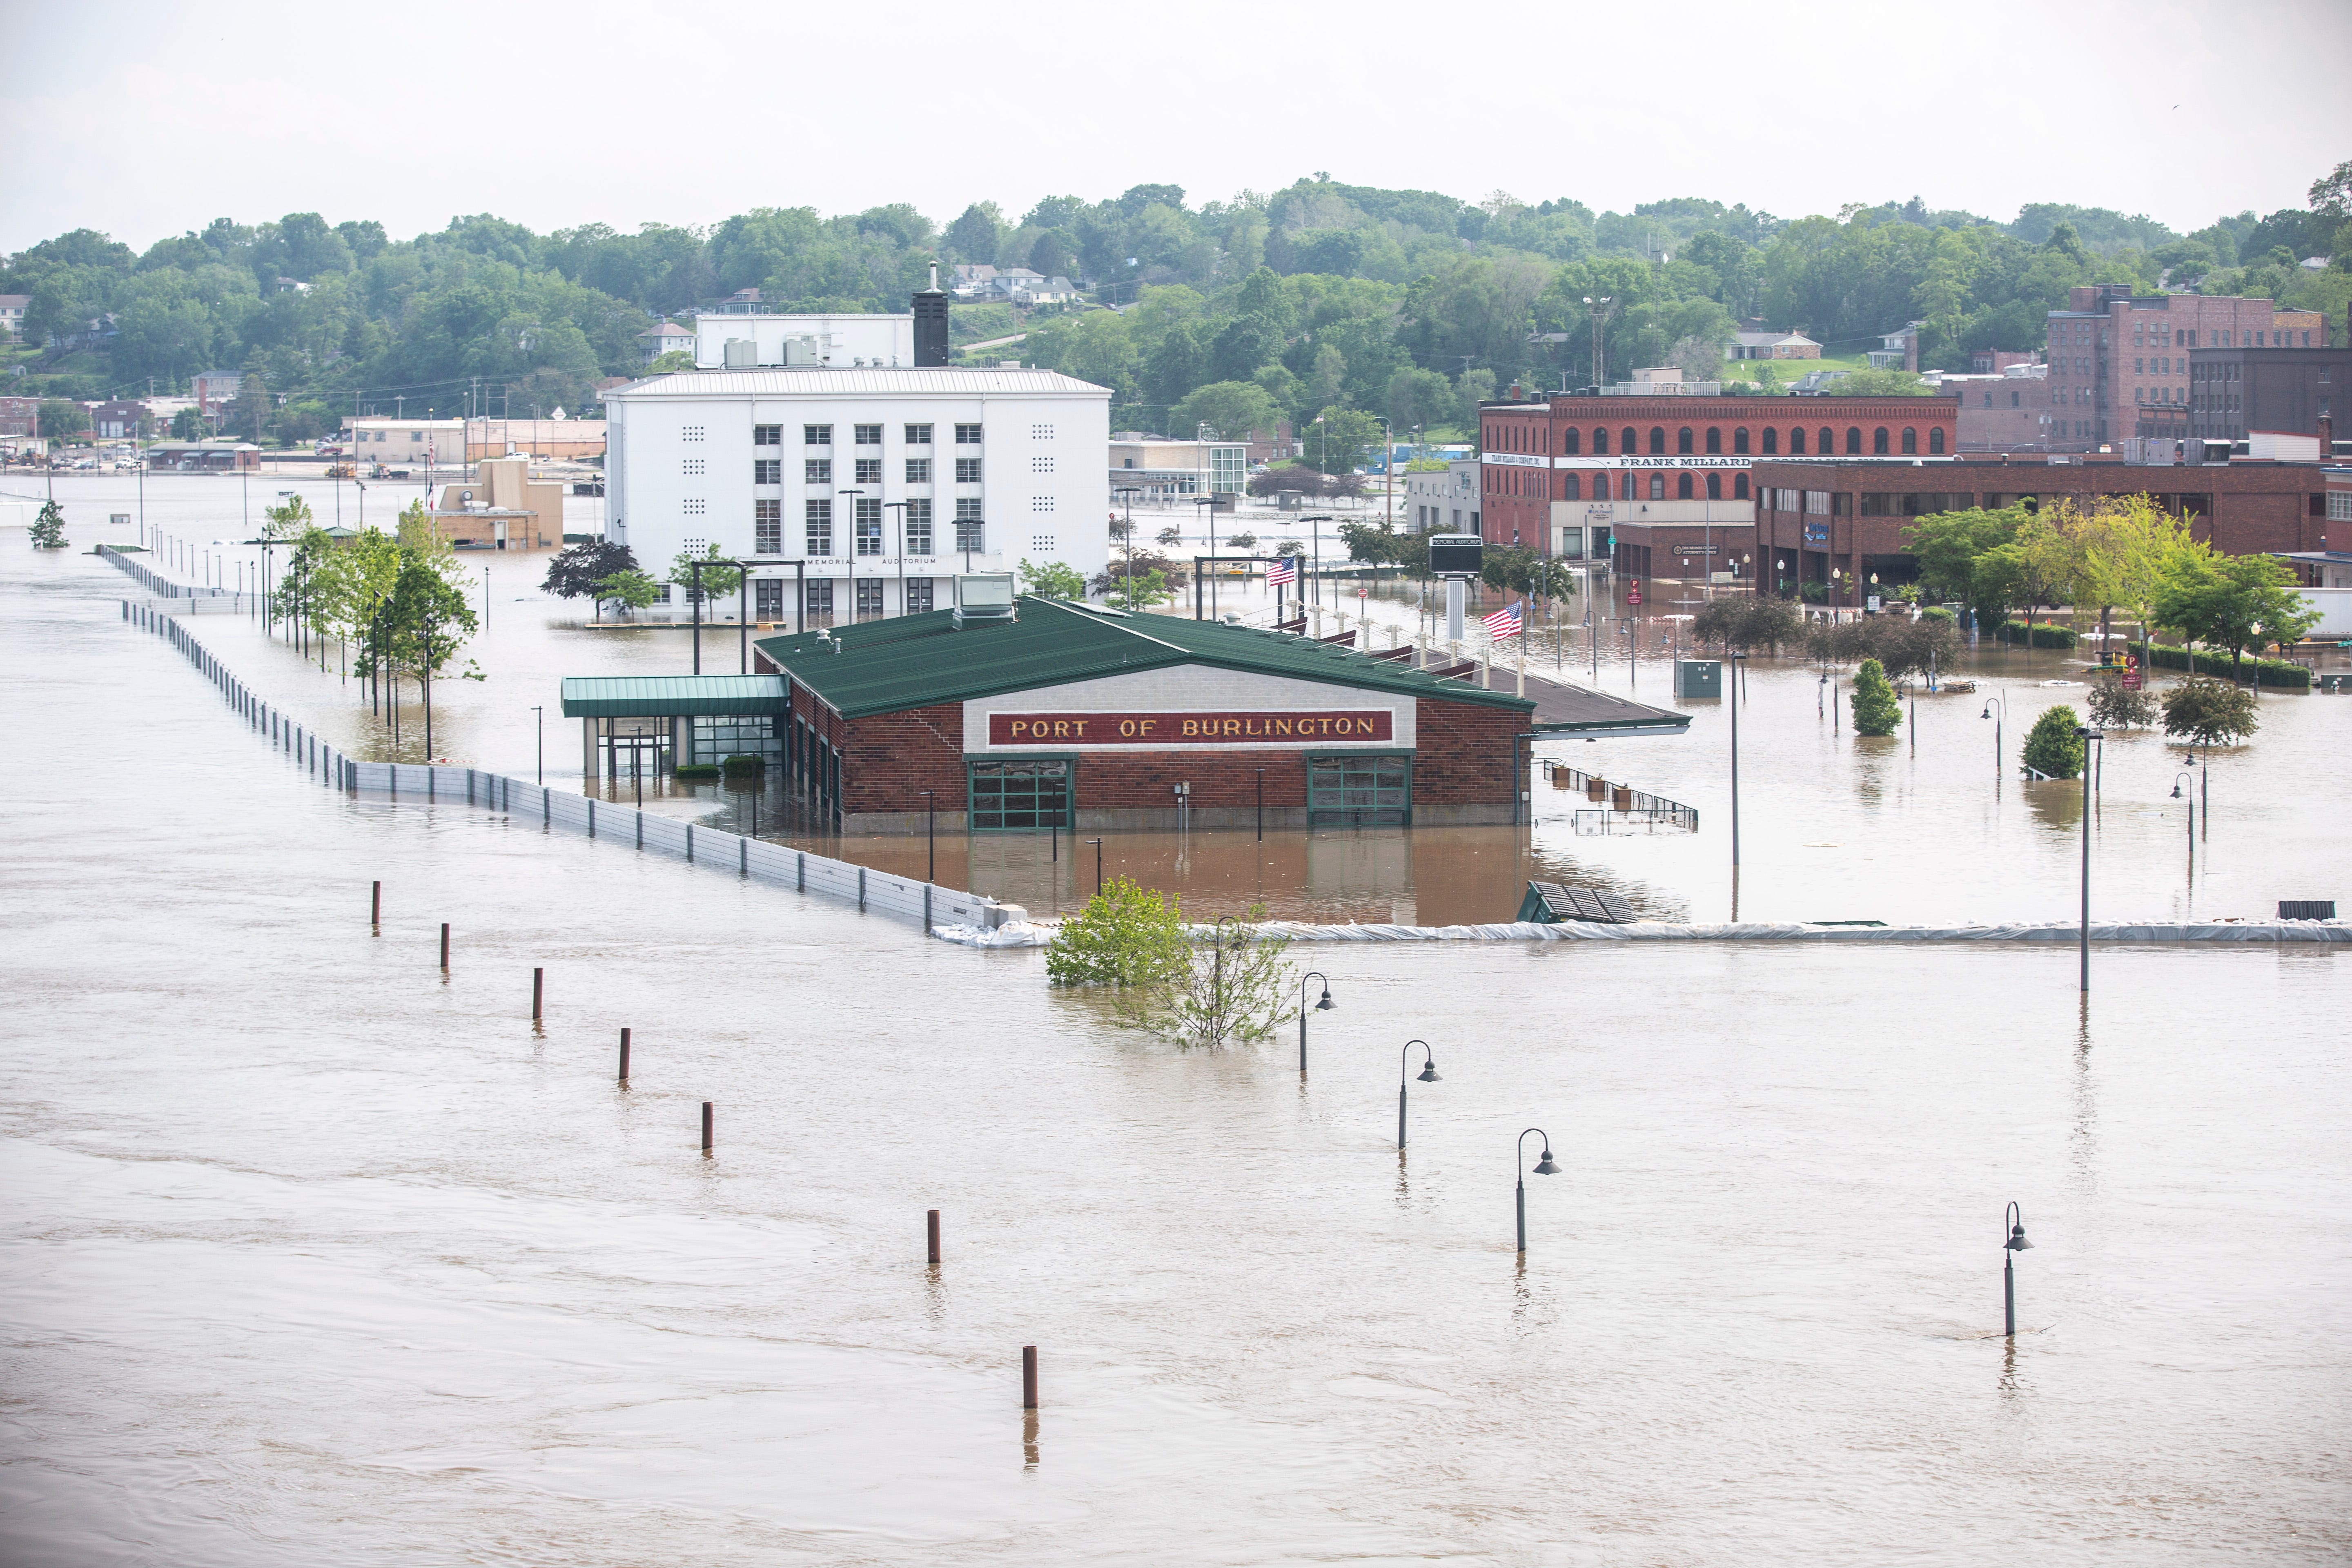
(1633,594)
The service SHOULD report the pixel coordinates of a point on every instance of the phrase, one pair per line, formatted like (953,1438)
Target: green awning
(673,696)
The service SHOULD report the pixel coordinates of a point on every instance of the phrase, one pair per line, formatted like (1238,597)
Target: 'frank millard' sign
(1210,729)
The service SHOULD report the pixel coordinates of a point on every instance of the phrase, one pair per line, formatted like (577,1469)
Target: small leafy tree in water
(2209,712)
(1054,580)
(1239,989)
(629,588)
(48,530)
(578,569)
(1129,936)
(2115,707)
(2051,747)
(1877,710)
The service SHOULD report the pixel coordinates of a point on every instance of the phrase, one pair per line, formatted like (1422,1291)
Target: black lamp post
(1998,719)
(1097,844)
(1428,1074)
(1734,661)
(1544,1167)
(540,722)
(1210,502)
(930,838)
(2088,738)
(2015,1222)
(2192,808)
(1323,1005)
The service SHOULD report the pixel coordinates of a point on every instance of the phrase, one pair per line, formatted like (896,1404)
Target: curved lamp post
(2089,738)
(2015,1220)
(1428,1074)
(1323,1005)
(1999,721)
(1544,1167)
(2192,804)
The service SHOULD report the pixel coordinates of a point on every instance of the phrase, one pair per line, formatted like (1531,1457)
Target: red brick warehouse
(1612,478)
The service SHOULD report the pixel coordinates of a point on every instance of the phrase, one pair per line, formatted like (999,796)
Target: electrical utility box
(1457,554)
(1699,677)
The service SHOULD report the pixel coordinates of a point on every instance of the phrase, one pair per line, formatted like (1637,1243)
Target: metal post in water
(1028,1377)
(445,946)
(625,1056)
(538,992)
(375,906)
(934,1228)
(706,1127)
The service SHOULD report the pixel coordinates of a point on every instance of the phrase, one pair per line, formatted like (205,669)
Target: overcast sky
(142,120)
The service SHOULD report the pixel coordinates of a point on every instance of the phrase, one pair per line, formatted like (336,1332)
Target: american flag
(1284,570)
(1504,623)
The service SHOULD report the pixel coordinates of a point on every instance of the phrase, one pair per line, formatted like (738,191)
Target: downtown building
(1662,484)
(2119,362)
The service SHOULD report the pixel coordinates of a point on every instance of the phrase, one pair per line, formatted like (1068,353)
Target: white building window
(869,471)
(1040,544)
(869,434)
(918,471)
(693,433)
(820,528)
(1041,432)
(694,508)
(919,528)
(1040,503)
(1041,465)
(967,470)
(967,434)
(869,525)
(694,467)
(816,471)
(918,435)
(817,434)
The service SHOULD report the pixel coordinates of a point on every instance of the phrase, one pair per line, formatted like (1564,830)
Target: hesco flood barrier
(948,911)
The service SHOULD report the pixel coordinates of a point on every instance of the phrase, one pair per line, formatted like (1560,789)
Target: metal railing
(156,583)
(1626,807)
(439,782)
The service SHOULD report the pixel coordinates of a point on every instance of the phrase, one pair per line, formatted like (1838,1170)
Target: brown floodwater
(314,1250)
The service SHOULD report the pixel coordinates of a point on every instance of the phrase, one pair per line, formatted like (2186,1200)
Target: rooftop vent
(983,596)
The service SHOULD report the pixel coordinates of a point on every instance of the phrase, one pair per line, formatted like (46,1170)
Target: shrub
(2209,712)
(742,765)
(2051,747)
(48,530)
(694,772)
(1875,710)
(2273,672)
(2116,707)
(2043,634)
(1129,935)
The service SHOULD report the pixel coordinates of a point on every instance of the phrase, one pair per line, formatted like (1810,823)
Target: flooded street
(307,1241)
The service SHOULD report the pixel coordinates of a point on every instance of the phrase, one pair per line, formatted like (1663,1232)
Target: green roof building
(1079,717)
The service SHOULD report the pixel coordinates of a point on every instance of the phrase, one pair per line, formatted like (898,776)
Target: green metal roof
(916,662)
(672,696)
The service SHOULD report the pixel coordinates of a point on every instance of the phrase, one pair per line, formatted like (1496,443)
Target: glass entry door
(1019,796)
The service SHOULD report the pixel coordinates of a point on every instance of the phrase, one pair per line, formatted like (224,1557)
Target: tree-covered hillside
(1319,297)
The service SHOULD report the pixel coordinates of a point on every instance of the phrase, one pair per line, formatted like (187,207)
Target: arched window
(1714,487)
(1682,487)
(1935,441)
(1739,487)
(1739,441)
(1568,487)
(1853,441)
(1878,442)
(1568,444)
(1683,439)
(1600,441)
(1657,441)
(1657,486)
(1829,442)
(1771,442)
(1796,442)
(1910,442)
(1714,439)
(1632,443)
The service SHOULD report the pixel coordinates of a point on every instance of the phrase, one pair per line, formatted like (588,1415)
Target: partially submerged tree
(2205,712)
(2115,706)
(48,530)
(1877,710)
(2235,601)
(1223,983)
(1054,580)
(577,569)
(2051,747)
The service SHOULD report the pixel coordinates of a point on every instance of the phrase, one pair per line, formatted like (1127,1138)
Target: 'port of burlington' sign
(1307,726)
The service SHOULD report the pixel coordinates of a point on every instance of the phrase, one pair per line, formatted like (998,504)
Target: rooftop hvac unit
(983,596)
(803,351)
(742,354)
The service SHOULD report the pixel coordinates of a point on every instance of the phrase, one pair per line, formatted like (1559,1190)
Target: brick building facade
(2119,362)
(2235,392)
(1816,516)
(1641,481)
(2007,410)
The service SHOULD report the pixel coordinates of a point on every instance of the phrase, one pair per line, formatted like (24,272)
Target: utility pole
(1599,310)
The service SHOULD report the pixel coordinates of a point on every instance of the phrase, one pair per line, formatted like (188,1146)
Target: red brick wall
(889,759)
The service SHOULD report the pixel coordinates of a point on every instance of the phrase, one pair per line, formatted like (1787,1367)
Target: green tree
(1238,990)
(1334,443)
(1422,400)
(1877,710)
(1136,590)
(1128,936)
(2115,706)
(670,363)
(2232,601)
(1228,408)
(61,418)
(2209,712)
(1054,580)
(718,577)
(48,530)
(629,588)
(975,236)
(2051,747)
(428,620)
(1880,384)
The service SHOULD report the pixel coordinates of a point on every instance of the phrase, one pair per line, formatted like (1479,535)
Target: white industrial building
(738,341)
(860,492)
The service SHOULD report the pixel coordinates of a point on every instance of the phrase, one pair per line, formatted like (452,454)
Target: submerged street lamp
(1428,1074)
(1998,721)
(1544,1167)
(2193,806)
(2015,1219)
(2088,737)
(1323,1005)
